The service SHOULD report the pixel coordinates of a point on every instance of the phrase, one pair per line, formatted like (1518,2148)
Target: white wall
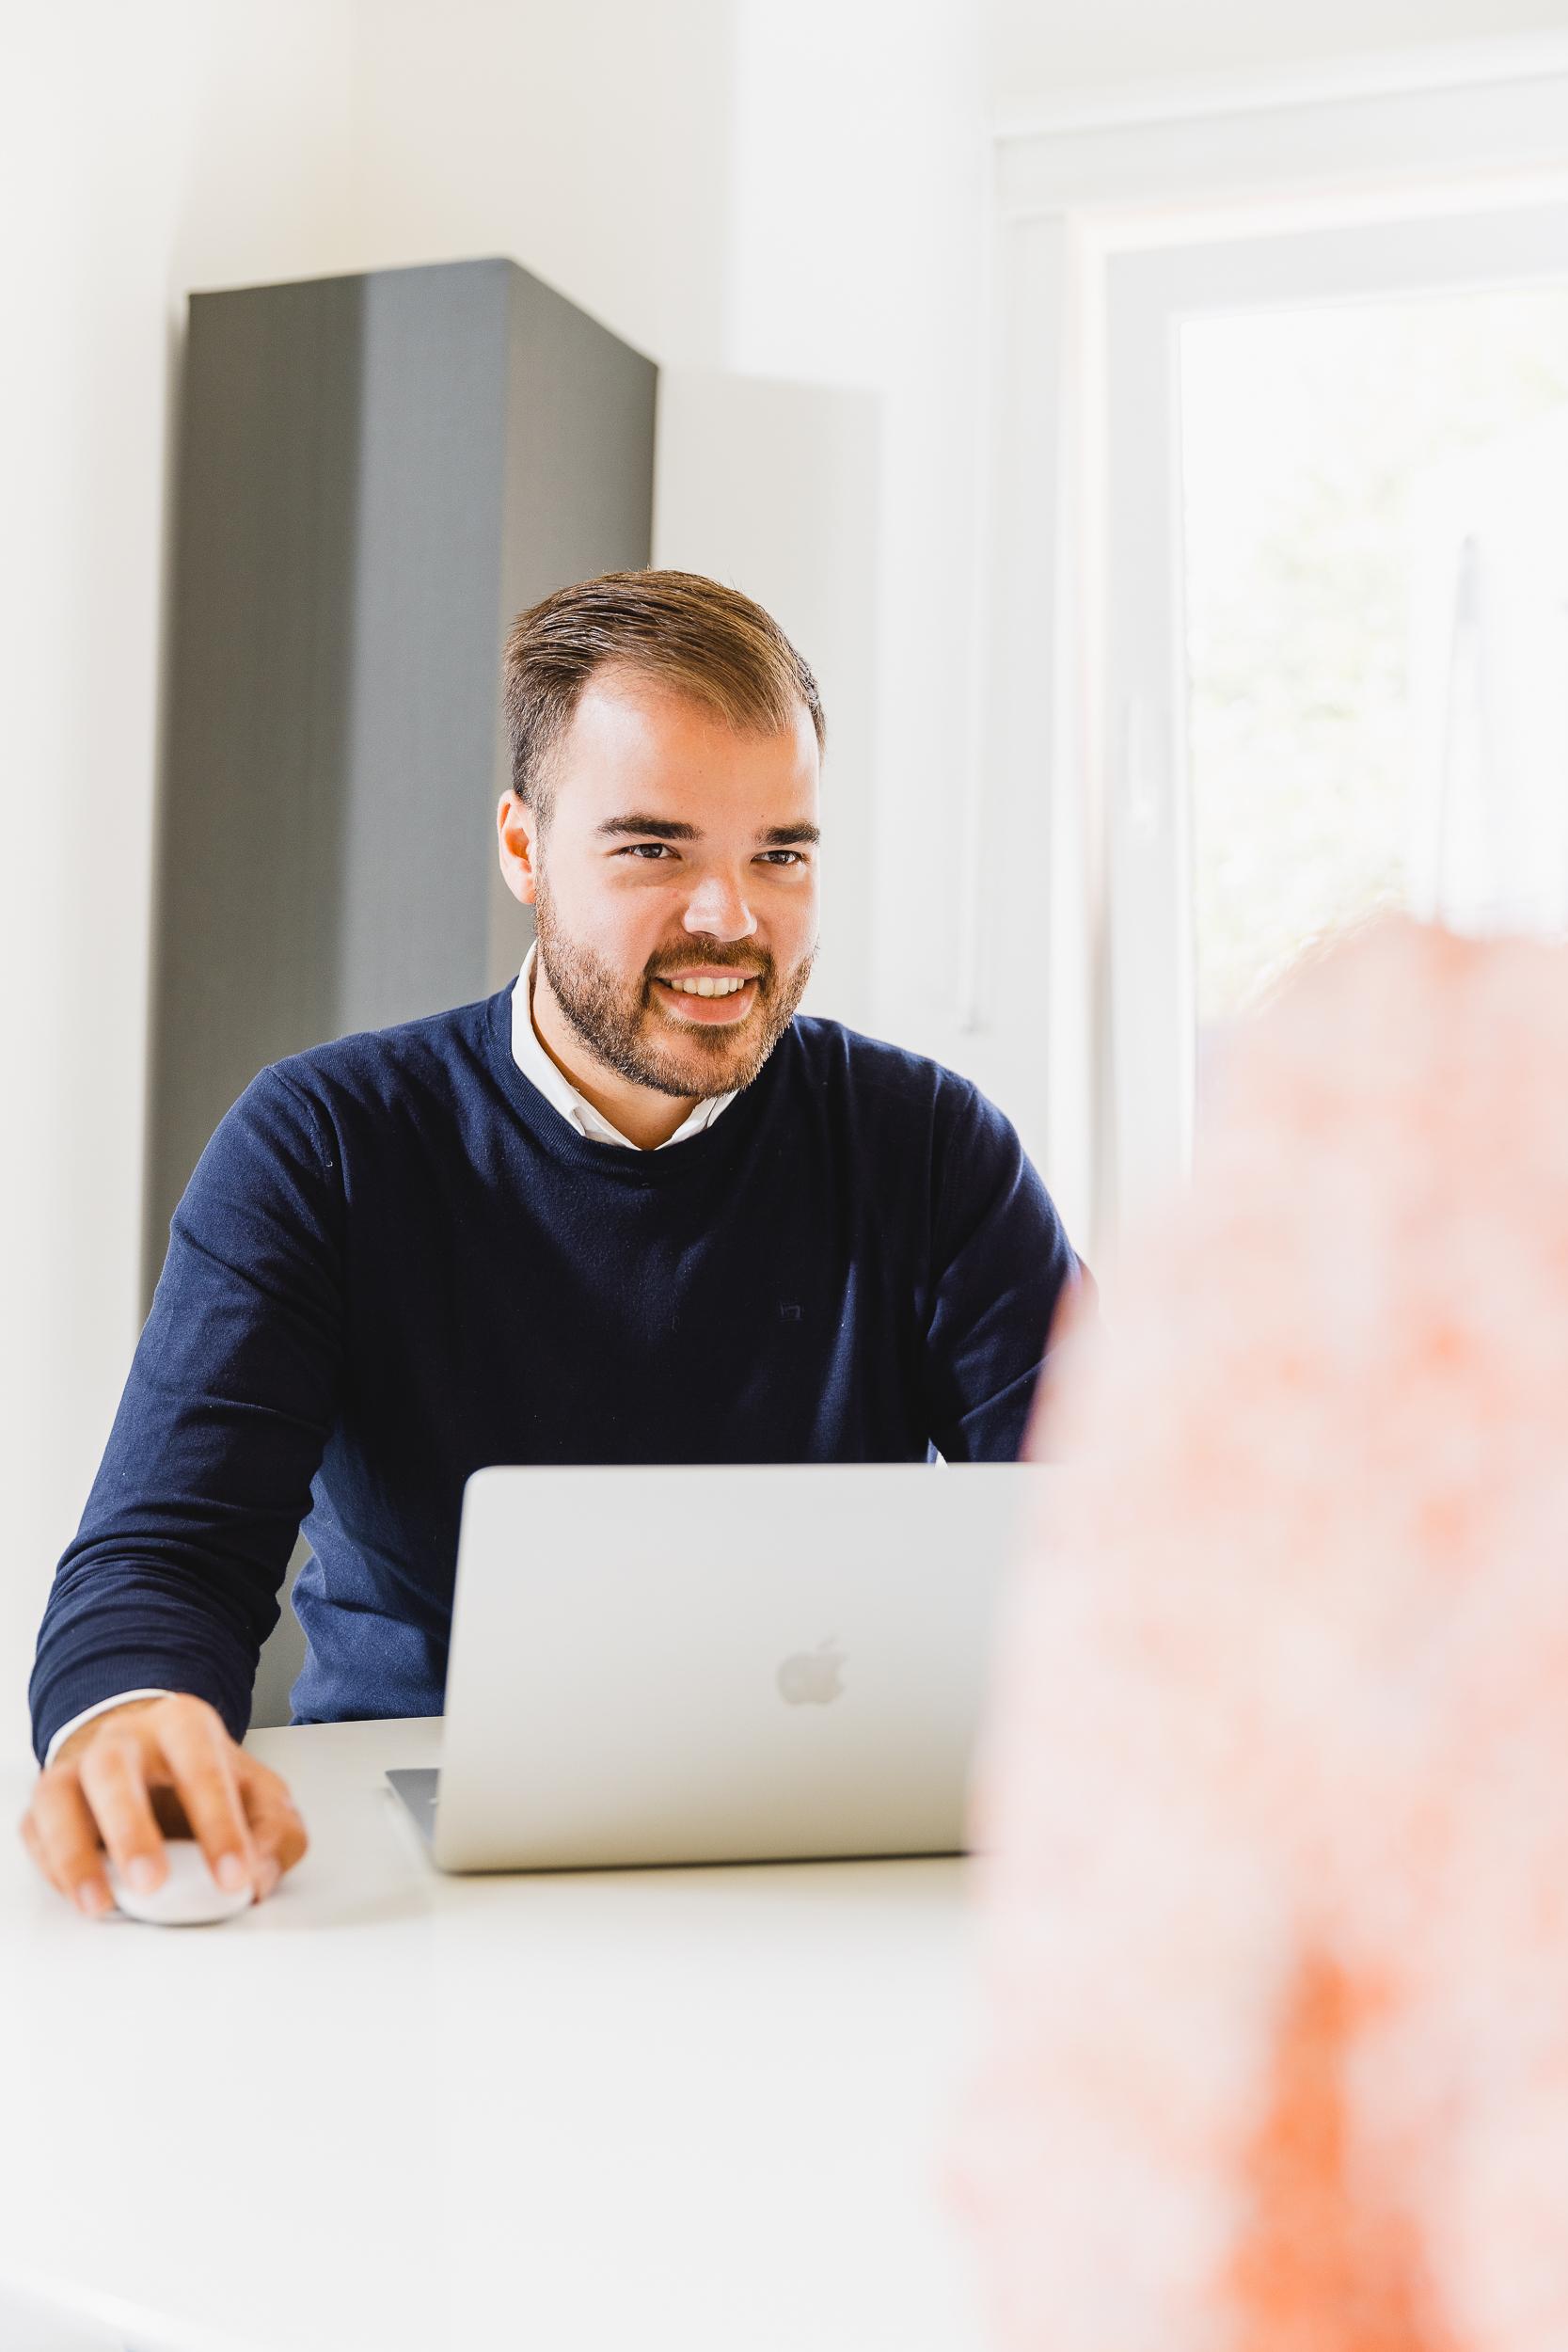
(591,142)
(718,511)
(859,233)
(1034,49)
(145,150)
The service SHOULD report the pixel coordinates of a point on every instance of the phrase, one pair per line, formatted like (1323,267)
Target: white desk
(393,2110)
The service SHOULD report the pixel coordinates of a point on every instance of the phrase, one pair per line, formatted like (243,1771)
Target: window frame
(1107,218)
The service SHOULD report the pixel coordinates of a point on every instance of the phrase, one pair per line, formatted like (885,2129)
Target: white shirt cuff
(100,1706)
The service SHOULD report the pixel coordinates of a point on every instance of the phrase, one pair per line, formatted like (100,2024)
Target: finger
(201,1758)
(67,1836)
(279,1833)
(33,1843)
(112,1772)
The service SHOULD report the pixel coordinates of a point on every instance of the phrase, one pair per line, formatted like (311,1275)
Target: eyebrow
(672,829)
(662,828)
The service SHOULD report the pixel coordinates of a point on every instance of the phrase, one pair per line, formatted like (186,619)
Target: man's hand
(151,1768)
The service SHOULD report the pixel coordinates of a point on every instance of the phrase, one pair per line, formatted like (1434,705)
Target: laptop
(655,1666)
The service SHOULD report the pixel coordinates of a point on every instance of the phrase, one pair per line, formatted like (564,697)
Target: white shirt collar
(557,1090)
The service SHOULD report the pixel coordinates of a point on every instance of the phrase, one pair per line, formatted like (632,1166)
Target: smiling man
(631,1208)
(676,913)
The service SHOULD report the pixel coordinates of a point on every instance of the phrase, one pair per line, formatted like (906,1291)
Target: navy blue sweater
(396,1262)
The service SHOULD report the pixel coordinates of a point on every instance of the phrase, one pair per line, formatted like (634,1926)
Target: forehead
(635,742)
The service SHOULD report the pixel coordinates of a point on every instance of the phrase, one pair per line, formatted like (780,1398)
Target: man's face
(677,850)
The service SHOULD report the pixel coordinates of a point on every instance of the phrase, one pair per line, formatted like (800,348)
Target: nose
(717,909)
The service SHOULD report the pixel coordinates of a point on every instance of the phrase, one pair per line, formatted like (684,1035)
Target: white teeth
(709,988)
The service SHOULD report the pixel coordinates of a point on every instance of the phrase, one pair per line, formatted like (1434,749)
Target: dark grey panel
(282,1653)
(580,447)
(429,523)
(251,824)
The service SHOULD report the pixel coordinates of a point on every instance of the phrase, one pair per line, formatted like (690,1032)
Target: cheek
(632,927)
(621,924)
(800,922)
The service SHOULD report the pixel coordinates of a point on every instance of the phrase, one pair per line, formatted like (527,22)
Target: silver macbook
(715,1664)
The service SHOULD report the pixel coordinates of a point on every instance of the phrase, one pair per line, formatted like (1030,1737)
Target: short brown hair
(706,640)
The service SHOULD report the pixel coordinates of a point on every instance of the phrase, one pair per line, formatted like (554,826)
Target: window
(1343,506)
(1285,386)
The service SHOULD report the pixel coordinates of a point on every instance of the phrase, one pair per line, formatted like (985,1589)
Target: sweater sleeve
(1001,1265)
(172,1578)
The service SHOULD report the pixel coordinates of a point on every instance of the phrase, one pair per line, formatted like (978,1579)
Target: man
(628,1209)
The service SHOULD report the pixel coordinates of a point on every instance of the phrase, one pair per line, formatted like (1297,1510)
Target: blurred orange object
(1273,1798)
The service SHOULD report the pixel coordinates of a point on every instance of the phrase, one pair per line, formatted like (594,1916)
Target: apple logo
(813,1678)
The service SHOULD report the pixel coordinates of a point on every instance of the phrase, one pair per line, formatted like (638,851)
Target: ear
(517,836)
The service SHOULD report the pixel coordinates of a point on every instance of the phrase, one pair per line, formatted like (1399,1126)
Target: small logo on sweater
(788,1310)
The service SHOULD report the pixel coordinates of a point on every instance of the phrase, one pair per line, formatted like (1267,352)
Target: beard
(618,1021)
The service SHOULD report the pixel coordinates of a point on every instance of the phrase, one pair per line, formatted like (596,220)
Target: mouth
(710,1002)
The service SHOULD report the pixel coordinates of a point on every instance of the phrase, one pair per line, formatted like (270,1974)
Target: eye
(653,850)
(791,857)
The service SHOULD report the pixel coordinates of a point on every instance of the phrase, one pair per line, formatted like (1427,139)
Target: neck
(644,1116)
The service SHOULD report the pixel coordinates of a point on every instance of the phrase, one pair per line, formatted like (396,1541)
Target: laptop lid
(710,1663)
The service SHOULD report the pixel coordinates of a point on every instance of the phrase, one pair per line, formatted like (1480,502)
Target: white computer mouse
(190,1896)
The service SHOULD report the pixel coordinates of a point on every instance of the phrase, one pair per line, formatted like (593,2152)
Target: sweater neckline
(668,1165)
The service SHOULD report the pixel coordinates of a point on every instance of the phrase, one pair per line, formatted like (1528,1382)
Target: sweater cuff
(66,1697)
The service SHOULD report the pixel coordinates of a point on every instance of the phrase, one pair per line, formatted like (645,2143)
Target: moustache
(759,972)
